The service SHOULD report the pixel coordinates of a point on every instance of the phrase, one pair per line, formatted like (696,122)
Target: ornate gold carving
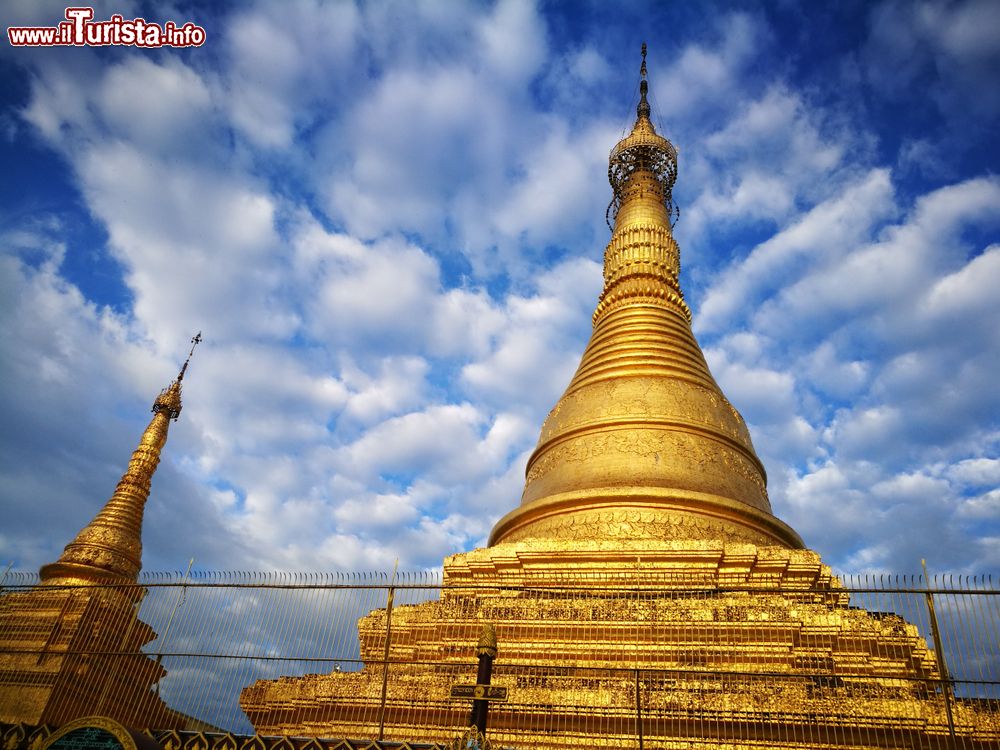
(643,163)
(639,289)
(586,447)
(624,524)
(487,641)
(197,741)
(228,742)
(642,248)
(687,459)
(253,743)
(13,737)
(169,401)
(647,399)
(37,738)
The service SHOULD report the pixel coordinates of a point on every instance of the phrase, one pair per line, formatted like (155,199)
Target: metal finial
(195,340)
(487,641)
(643,109)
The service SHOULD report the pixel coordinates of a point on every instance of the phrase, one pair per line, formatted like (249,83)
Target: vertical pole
(486,650)
(385,652)
(638,709)
(166,633)
(942,666)
(4,579)
(638,615)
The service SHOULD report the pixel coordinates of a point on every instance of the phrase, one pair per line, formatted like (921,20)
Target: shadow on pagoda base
(652,514)
(70,650)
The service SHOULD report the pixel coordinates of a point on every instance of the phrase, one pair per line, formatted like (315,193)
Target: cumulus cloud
(817,236)
(284,64)
(707,72)
(156,107)
(869,422)
(535,356)
(951,49)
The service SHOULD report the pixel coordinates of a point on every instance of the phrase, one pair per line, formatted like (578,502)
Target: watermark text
(80,30)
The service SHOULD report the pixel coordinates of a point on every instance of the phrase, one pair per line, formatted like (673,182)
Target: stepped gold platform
(730,645)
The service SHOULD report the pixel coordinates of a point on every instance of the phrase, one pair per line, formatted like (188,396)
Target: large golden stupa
(643,586)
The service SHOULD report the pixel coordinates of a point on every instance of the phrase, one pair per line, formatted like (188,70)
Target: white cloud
(388,295)
(969,293)
(283,63)
(977,472)
(400,384)
(535,356)
(377,292)
(513,41)
(403,445)
(375,512)
(834,377)
(588,65)
(984,508)
(192,242)
(819,235)
(448,444)
(707,74)
(157,107)
(554,194)
(885,277)
(952,48)
(767,394)
(59,103)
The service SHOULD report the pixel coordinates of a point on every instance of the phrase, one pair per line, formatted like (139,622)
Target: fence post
(939,650)
(177,603)
(638,709)
(486,651)
(385,652)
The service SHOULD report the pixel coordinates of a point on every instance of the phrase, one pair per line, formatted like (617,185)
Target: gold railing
(181,649)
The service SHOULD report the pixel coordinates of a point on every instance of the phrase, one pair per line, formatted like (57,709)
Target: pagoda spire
(642,109)
(642,169)
(109,548)
(643,444)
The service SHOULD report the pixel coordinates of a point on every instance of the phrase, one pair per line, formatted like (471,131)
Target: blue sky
(388,220)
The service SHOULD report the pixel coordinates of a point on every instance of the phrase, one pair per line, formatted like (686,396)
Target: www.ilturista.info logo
(79,30)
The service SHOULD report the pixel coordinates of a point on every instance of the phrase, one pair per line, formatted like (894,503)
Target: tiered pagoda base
(727,645)
(72,651)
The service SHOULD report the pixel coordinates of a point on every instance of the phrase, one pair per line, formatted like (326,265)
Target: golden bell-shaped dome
(643,443)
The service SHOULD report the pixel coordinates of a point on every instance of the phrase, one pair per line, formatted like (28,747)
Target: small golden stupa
(643,561)
(71,647)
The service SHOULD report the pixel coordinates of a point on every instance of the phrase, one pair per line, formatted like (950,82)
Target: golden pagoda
(71,646)
(643,587)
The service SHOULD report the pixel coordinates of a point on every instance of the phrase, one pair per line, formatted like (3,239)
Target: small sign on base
(479,692)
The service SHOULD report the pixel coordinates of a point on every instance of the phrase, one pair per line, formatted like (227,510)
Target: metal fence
(876,662)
